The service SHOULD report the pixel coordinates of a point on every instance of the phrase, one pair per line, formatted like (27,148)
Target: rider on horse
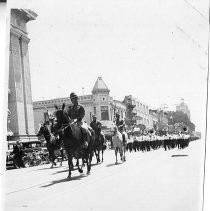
(77,112)
(119,123)
(96,126)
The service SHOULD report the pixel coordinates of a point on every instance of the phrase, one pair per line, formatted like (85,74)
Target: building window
(94,110)
(104,113)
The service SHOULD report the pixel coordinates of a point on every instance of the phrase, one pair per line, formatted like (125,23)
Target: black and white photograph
(105,105)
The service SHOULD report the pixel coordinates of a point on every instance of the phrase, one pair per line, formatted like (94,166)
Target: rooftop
(100,86)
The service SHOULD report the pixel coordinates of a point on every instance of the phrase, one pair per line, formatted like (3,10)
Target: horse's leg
(72,165)
(96,153)
(69,156)
(89,160)
(99,160)
(124,153)
(83,162)
(79,169)
(97,156)
(88,164)
(51,157)
(116,155)
(62,157)
(102,154)
(121,153)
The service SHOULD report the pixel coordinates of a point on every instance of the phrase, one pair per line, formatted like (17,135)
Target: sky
(154,50)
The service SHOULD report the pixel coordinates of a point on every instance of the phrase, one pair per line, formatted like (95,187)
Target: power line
(189,37)
(198,11)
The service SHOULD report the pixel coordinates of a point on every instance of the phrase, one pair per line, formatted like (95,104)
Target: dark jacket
(18,152)
(96,127)
(76,112)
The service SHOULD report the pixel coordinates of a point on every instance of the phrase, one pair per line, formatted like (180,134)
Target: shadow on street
(113,164)
(54,182)
(179,155)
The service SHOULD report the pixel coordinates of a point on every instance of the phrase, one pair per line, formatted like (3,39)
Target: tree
(180,117)
(131,116)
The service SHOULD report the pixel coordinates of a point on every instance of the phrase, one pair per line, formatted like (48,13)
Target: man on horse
(119,123)
(76,112)
(96,126)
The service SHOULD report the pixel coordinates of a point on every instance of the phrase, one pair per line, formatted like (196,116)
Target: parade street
(151,181)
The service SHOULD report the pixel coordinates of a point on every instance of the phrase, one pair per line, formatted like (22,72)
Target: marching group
(150,142)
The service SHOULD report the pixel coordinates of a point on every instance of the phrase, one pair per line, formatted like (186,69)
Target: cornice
(19,33)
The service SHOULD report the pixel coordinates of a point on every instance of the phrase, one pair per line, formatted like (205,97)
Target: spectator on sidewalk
(18,155)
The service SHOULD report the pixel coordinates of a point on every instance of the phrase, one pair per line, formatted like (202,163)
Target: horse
(125,141)
(99,146)
(53,143)
(72,139)
(117,140)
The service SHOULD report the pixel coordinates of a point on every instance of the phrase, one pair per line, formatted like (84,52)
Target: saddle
(79,130)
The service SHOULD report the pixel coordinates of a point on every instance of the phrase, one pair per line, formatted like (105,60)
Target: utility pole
(83,91)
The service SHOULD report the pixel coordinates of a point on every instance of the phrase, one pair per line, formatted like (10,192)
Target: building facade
(99,103)
(162,120)
(20,104)
(153,119)
(183,107)
(137,110)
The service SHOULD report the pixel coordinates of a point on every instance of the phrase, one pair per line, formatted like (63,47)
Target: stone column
(20,98)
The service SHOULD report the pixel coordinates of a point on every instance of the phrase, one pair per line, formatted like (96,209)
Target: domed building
(183,107)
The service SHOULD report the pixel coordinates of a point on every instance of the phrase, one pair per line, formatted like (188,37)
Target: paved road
(151,181)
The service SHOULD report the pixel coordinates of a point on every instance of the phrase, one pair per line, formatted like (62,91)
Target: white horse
(118,145)
(125,141)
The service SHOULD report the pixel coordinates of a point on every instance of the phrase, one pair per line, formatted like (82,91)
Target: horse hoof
(80,171)
(88,173)
(68,178)
(115,163)
(61,164)
(51,167)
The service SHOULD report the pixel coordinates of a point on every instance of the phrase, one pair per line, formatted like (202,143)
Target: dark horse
(53,142)
(72,142)
(99,146)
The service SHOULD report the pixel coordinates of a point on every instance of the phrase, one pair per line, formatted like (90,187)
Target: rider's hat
(93,116)
(73,95)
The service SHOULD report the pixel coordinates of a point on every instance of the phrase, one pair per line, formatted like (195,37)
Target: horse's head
(61,118)
(42,129)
